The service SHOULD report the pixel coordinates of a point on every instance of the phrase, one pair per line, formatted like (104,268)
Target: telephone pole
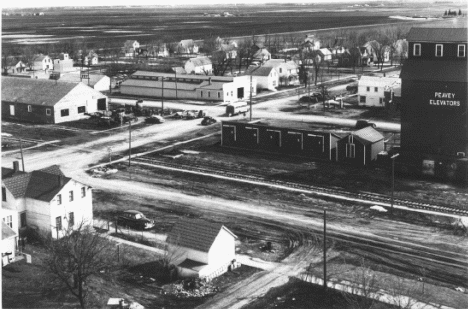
(129,143)
(325,250)
(251,89)
(21,149)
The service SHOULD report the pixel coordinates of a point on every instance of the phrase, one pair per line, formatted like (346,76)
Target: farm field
(115,25)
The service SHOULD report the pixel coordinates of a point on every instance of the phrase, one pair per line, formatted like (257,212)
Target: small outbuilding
(360,147)
(202,249)
(199,65)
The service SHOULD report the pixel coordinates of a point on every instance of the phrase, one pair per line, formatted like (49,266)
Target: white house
(267,77)
(202,249)
(48,101)
(371,89)
(131,47)
(45,199)
(92,58)
(63,63)
(325,54)
(187,47)
(374,48)
(42,63)
(199,65)
(261,55)
(288,71)
(9,235)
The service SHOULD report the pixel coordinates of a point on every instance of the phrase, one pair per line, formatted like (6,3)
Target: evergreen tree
(459,12)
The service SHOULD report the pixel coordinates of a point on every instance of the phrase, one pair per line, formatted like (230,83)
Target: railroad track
(369,197)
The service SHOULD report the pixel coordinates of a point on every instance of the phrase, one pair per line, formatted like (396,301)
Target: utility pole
(251,89)
(325,250)
(175,79)
(393,179)
(22,157)
(129,143)
(109,149)
(162,97)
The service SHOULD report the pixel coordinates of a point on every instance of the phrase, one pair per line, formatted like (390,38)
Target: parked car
(352,88)
(189,115)
(154,119)
(360,124)
(135,219)
(208,120)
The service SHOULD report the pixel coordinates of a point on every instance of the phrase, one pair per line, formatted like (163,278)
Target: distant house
(399,50)
(311,43)
(360,147)
(371,89)
(160,51)
(131,48)
(325,54)
(14,68)
(288,71)
(9,240)
(230,50)
(202,249)
(187,47)
(267,77)
(199,65)
(92,58)
(374,49)
(261,55)
(48,101)
(45,199)
(42,63)
(63,63)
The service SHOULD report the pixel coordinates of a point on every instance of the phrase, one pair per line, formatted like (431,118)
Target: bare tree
(402,293)
(361,294)
(75,258)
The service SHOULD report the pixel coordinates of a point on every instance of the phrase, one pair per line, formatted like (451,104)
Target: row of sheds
(359,147)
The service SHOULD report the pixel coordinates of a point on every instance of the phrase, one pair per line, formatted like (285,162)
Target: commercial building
(434,111)
(371,89)
(189,87)
(48,101)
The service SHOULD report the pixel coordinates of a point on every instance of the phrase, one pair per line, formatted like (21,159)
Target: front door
(101,104)
(240,93)
(23,219)
(12,110)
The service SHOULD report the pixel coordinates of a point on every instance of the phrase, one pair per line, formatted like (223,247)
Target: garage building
(48,101)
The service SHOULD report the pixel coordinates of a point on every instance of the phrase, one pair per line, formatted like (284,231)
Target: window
(71,219)
(439,52)
(81,109)
(201,94)
(232,93)
(4,194)
(381,100)
(417,49)
(461,50)
(64,112)
(83,191)
(23,219)
(376,89)
(367,89)
(59,199)
(58,223)
(219,95)
(9,221)
(70,196)
(29,108)
(362,99)
(274,83)
(350,151)
(281,70)
(209,94)
(48,112)
(227,93)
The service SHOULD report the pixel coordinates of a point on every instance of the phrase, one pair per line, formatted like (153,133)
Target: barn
(360,147)
(48,101)
(298,139)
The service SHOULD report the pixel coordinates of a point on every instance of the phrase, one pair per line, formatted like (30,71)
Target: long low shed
(292,141)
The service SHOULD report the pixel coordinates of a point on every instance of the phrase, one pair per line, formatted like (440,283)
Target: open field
(146,24)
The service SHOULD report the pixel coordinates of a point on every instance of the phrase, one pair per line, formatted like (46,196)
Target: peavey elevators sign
(444,99)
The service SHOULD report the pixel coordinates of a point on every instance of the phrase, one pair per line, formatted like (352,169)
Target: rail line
(365,197)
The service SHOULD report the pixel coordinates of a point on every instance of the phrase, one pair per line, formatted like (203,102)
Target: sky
(55,3)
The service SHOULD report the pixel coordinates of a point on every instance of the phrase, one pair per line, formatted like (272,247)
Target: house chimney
(61,180)
(16,166)
(209,80)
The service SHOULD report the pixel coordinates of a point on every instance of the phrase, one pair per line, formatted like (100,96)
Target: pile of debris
(103,170)
(189,288)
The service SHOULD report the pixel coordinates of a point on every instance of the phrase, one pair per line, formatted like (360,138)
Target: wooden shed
(360,147)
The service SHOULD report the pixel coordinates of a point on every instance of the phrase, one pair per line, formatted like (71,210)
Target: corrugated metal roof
(158,84)
(368,135)
(35,91)
(442,35)
(451,71)
(378,81)
(93,78)
(187,76)
(212,85)
(195,234)
(7,232)
(258,71)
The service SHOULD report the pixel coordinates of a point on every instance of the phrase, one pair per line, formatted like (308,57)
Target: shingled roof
(41,185)
(368,135)
(195,234)
(35,91)
(200,61)
(258,71)
(439,35)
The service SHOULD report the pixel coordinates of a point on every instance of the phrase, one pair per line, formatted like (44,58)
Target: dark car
(207,120)
(360,124)
(154,119)
(135,219)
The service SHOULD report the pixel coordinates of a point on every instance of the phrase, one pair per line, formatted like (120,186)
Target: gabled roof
(35,91)
(438,35)
(258,71)
(368,135)
(41,185)
(200,61)
(7,232)
(275,63)
(93,78)
(325,51)
(378,81)
(195,234)
(427,70)
(40,57)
